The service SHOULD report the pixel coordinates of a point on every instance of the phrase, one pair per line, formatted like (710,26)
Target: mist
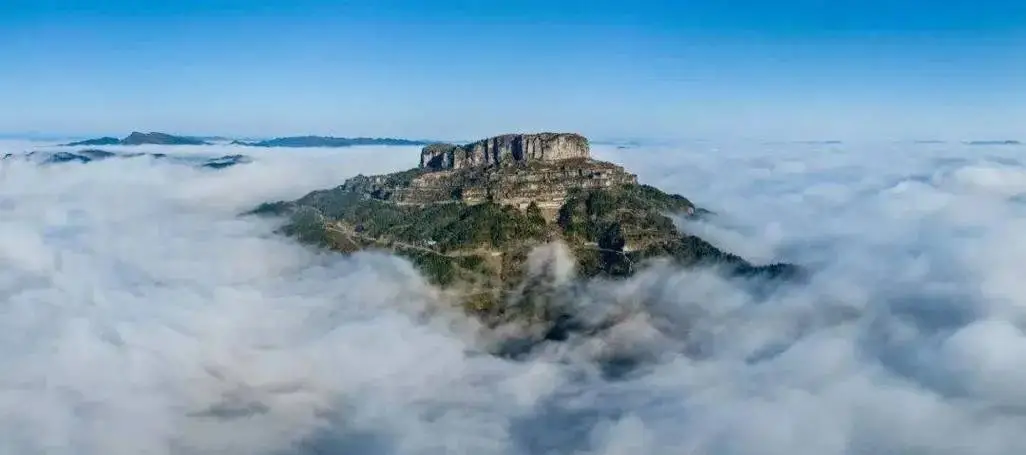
(141,315)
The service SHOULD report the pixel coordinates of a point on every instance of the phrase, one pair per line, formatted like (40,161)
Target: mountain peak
(470,216)
(138,138)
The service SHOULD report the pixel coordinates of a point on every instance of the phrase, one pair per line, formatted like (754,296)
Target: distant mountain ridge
(106,140)
(995,142)
(156,138)
(137,138)
(92,155)
(328,141)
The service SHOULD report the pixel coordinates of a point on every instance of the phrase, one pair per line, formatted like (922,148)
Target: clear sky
(798,69)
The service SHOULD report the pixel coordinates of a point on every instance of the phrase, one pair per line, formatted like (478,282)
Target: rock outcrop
(506,150)
(514,169)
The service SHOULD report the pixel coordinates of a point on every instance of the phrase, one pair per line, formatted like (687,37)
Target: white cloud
(140,315)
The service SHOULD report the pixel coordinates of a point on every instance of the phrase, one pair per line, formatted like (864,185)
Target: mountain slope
(473,229)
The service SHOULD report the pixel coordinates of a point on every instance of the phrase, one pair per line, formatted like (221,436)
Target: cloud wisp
(141,315)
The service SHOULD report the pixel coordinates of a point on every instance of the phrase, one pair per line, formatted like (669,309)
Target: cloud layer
(140,315)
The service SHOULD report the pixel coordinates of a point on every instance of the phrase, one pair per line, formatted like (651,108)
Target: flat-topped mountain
(326,141)
(470,218)
(137,138)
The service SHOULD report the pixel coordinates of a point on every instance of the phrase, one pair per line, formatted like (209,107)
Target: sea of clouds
(140,315)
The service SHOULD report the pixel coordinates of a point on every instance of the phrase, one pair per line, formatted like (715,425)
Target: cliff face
(546,184)
(505,150)
(513,169)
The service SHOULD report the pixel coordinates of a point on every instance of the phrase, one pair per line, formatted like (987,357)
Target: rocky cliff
(514,170)
(506,149)
(545,184)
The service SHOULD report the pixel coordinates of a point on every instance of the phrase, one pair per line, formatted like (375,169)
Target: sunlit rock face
(506,149)
(512,169)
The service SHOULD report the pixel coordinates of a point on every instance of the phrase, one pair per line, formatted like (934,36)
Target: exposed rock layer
(546,184)
(506,149)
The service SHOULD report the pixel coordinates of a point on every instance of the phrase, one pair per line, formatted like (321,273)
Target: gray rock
(506,150)
(512,169)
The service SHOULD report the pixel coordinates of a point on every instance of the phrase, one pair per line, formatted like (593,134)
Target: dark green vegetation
(613,233)
(635,216)
(137,138)
(96,142)
(447,229)
(324,141)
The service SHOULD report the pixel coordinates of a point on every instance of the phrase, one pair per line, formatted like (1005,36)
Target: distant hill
(137,138)
(327,141)
(1000,142)
(820,142)
(95,142)
(91,155)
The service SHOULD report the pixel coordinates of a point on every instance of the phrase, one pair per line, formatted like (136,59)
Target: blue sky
(801,69)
